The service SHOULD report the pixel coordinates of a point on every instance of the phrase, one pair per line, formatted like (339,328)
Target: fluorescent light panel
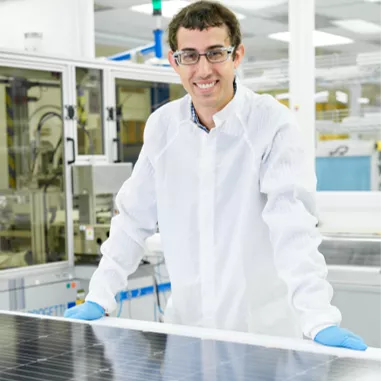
(169,8)
(358,26)
(253,5)
(341,97)
(282,96)
(319,38)
(321,95)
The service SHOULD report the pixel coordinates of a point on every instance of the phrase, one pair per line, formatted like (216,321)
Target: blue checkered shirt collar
(195,116)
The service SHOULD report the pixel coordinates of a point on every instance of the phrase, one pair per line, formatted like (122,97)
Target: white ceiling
(117,27)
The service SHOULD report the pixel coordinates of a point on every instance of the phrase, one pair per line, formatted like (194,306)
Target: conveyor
(40,348)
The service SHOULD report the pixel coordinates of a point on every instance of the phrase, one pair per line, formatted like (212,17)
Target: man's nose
(204,67)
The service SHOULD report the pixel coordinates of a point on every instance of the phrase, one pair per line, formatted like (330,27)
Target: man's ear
(239,54)
(172,61)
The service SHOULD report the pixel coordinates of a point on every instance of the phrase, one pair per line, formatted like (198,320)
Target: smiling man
(210,86)
(224,173)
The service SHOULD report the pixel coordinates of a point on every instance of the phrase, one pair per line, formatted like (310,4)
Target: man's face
(209,84)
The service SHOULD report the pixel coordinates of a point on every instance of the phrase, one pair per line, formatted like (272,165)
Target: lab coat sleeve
(289,184)
(135,222)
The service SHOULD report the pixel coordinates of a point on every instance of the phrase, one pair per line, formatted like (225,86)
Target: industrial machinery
(31,189)
(70,133)
(348,169)
(347,111)
(94,191)
(348,165)
(65,152)
(348,151)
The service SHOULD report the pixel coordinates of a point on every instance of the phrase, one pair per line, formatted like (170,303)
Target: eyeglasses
(191,57)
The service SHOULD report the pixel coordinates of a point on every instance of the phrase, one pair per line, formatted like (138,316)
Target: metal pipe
(158,33)
(156,47)
(127,55)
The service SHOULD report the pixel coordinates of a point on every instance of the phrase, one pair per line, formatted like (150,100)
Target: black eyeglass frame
(177,54)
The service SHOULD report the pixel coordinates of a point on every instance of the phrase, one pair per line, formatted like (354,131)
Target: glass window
(348,157)
(348,132)
(32,198)
(136,100)
(89,111)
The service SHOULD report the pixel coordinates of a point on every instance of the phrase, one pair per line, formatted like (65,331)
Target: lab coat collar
(228,120)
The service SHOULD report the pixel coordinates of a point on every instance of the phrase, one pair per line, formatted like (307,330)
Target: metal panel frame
(109,125)
(22,272)
(23,62)
(375,171)
(146,73)
(66,66)
(140,73)
(93,158)
(125,69)
(68,91)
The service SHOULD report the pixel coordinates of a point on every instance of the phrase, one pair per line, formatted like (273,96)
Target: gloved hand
(339,337)
(85,311)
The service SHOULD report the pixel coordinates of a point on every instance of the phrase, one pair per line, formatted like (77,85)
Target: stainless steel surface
(38,226)
(100,178)
(352,250)
(354,271)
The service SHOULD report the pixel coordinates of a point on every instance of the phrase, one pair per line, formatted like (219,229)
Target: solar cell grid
(48,350)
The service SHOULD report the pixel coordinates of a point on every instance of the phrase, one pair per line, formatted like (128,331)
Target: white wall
(67,25)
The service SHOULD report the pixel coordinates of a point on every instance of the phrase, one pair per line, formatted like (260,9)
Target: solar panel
(53,350)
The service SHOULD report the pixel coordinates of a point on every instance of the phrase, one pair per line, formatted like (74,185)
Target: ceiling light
(363,101)
(341,97)
(253,5)
(282,96)
(358,26)
(169,8)
(319,38)
(321,96)
(373,1)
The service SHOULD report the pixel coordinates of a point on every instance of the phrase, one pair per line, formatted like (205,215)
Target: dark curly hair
(203,15)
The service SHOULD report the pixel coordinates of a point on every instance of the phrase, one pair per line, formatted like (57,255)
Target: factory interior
(78,81)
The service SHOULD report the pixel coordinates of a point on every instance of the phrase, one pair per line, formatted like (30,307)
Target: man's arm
(289,184)
(123,250)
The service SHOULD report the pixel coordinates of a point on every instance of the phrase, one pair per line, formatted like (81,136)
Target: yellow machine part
(81,111)
(80,299)
(333,137)
(10,140)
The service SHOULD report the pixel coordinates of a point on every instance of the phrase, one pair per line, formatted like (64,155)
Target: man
(223,171)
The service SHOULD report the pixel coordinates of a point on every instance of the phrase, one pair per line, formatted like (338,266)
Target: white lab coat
(235,209)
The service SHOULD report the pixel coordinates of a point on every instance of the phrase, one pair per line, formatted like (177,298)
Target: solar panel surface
(34,349)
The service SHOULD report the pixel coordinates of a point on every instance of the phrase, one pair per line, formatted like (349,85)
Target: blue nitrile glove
(85,311)
(339,337)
